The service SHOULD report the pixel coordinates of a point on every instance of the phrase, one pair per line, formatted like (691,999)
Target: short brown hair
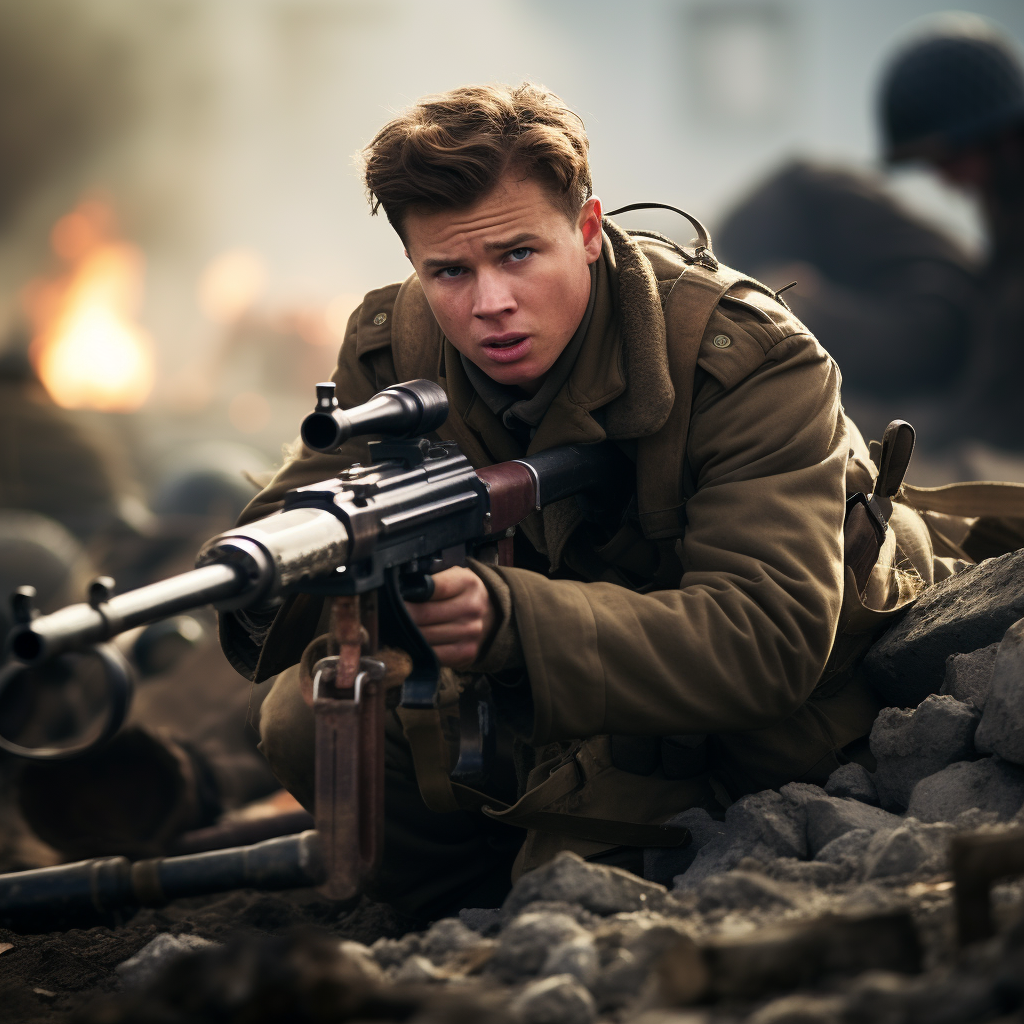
(450,150)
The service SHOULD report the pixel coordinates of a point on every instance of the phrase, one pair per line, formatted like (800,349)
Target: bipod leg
(348,708)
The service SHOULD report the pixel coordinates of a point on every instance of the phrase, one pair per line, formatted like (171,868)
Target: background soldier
(908,316)
(955,99)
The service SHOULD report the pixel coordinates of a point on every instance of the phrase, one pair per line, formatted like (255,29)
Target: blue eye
(518,255)
(450,272)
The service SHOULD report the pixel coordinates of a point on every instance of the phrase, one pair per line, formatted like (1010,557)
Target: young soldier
(671,656)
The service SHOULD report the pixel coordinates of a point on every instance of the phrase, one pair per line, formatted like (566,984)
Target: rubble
(854,781)
(989,785)
(965,613)
(968,676)
(804,906)
(911,744)
(1002,725)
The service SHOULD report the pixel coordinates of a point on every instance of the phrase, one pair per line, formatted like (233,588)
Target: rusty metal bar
(348,708)
(978,860)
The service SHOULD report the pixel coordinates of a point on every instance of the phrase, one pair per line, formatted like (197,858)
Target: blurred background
(183,228)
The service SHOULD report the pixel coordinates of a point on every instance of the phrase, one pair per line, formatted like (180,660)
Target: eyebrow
(436,263)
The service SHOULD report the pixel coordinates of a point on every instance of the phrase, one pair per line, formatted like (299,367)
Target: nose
(493,294)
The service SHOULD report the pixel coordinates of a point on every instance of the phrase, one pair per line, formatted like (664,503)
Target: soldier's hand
(457,619)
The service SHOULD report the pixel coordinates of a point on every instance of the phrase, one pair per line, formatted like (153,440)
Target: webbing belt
(423,732)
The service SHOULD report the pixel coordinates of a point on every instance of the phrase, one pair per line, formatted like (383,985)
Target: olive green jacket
(690,664)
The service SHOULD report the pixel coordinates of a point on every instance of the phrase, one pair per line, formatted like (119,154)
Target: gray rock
(596,887)
(445,937)
(662,865)
(148,961)
(1002,725)
(968,676)
(849,847)
(485,921)
(392,952)
(524,945)
(964,613)
(853,781)
(811,872)
(417,970)
(829,817)
(361,957)
(768,825)
(800,1009)
(761,825)
(910,745)
(578,957)
(742,890)
(626,966)
(557,1000)
(715,858)
(913,847)
(975,818)
(990,785)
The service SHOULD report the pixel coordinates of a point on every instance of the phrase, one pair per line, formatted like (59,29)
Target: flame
(231,284)
(87,348)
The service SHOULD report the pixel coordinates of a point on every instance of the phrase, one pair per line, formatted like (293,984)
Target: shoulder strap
(660,456)
(691,300)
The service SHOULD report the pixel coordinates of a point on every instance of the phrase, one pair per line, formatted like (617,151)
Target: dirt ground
(48,977)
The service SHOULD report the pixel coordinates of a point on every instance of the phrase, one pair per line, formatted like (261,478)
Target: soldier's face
(507,278)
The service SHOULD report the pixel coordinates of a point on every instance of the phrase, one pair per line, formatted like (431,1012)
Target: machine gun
(368,540)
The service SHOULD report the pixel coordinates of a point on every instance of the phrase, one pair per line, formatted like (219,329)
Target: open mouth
(507,350)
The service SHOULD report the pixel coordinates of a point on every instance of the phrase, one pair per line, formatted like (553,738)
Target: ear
(589,224)
(407,256)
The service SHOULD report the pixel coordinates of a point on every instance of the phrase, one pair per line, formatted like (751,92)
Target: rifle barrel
(80,625)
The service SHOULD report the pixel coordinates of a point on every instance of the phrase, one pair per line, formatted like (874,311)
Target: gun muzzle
(405,410)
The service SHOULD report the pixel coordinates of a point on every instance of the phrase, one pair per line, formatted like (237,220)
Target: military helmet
(956,85)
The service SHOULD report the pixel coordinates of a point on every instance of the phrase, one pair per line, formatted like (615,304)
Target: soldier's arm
(742,642)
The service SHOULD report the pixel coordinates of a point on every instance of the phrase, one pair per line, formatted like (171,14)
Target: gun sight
(405,410)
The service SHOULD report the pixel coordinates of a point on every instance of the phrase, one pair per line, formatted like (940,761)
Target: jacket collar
(621,372)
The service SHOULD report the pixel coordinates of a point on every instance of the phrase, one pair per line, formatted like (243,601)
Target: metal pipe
(80,625)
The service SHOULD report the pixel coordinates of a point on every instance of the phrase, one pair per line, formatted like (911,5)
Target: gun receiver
(367,539)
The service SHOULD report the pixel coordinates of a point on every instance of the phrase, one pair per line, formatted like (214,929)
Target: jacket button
(381,317)
(721,341)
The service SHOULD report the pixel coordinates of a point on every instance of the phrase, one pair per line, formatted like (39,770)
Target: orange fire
(87,348)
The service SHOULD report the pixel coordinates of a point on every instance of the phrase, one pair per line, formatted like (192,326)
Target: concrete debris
(854,781)
(964,613)
(741,890)
(557,1000)
(849,848)
(154,956)
(968,676)
(595,887)
(527,941)
(913,847)
(989,785)
(417,970)
(662,865)
(485,921)
(909,745)
(762,825)
(1002,725)
(810,905)
(828,817)
(446,937)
